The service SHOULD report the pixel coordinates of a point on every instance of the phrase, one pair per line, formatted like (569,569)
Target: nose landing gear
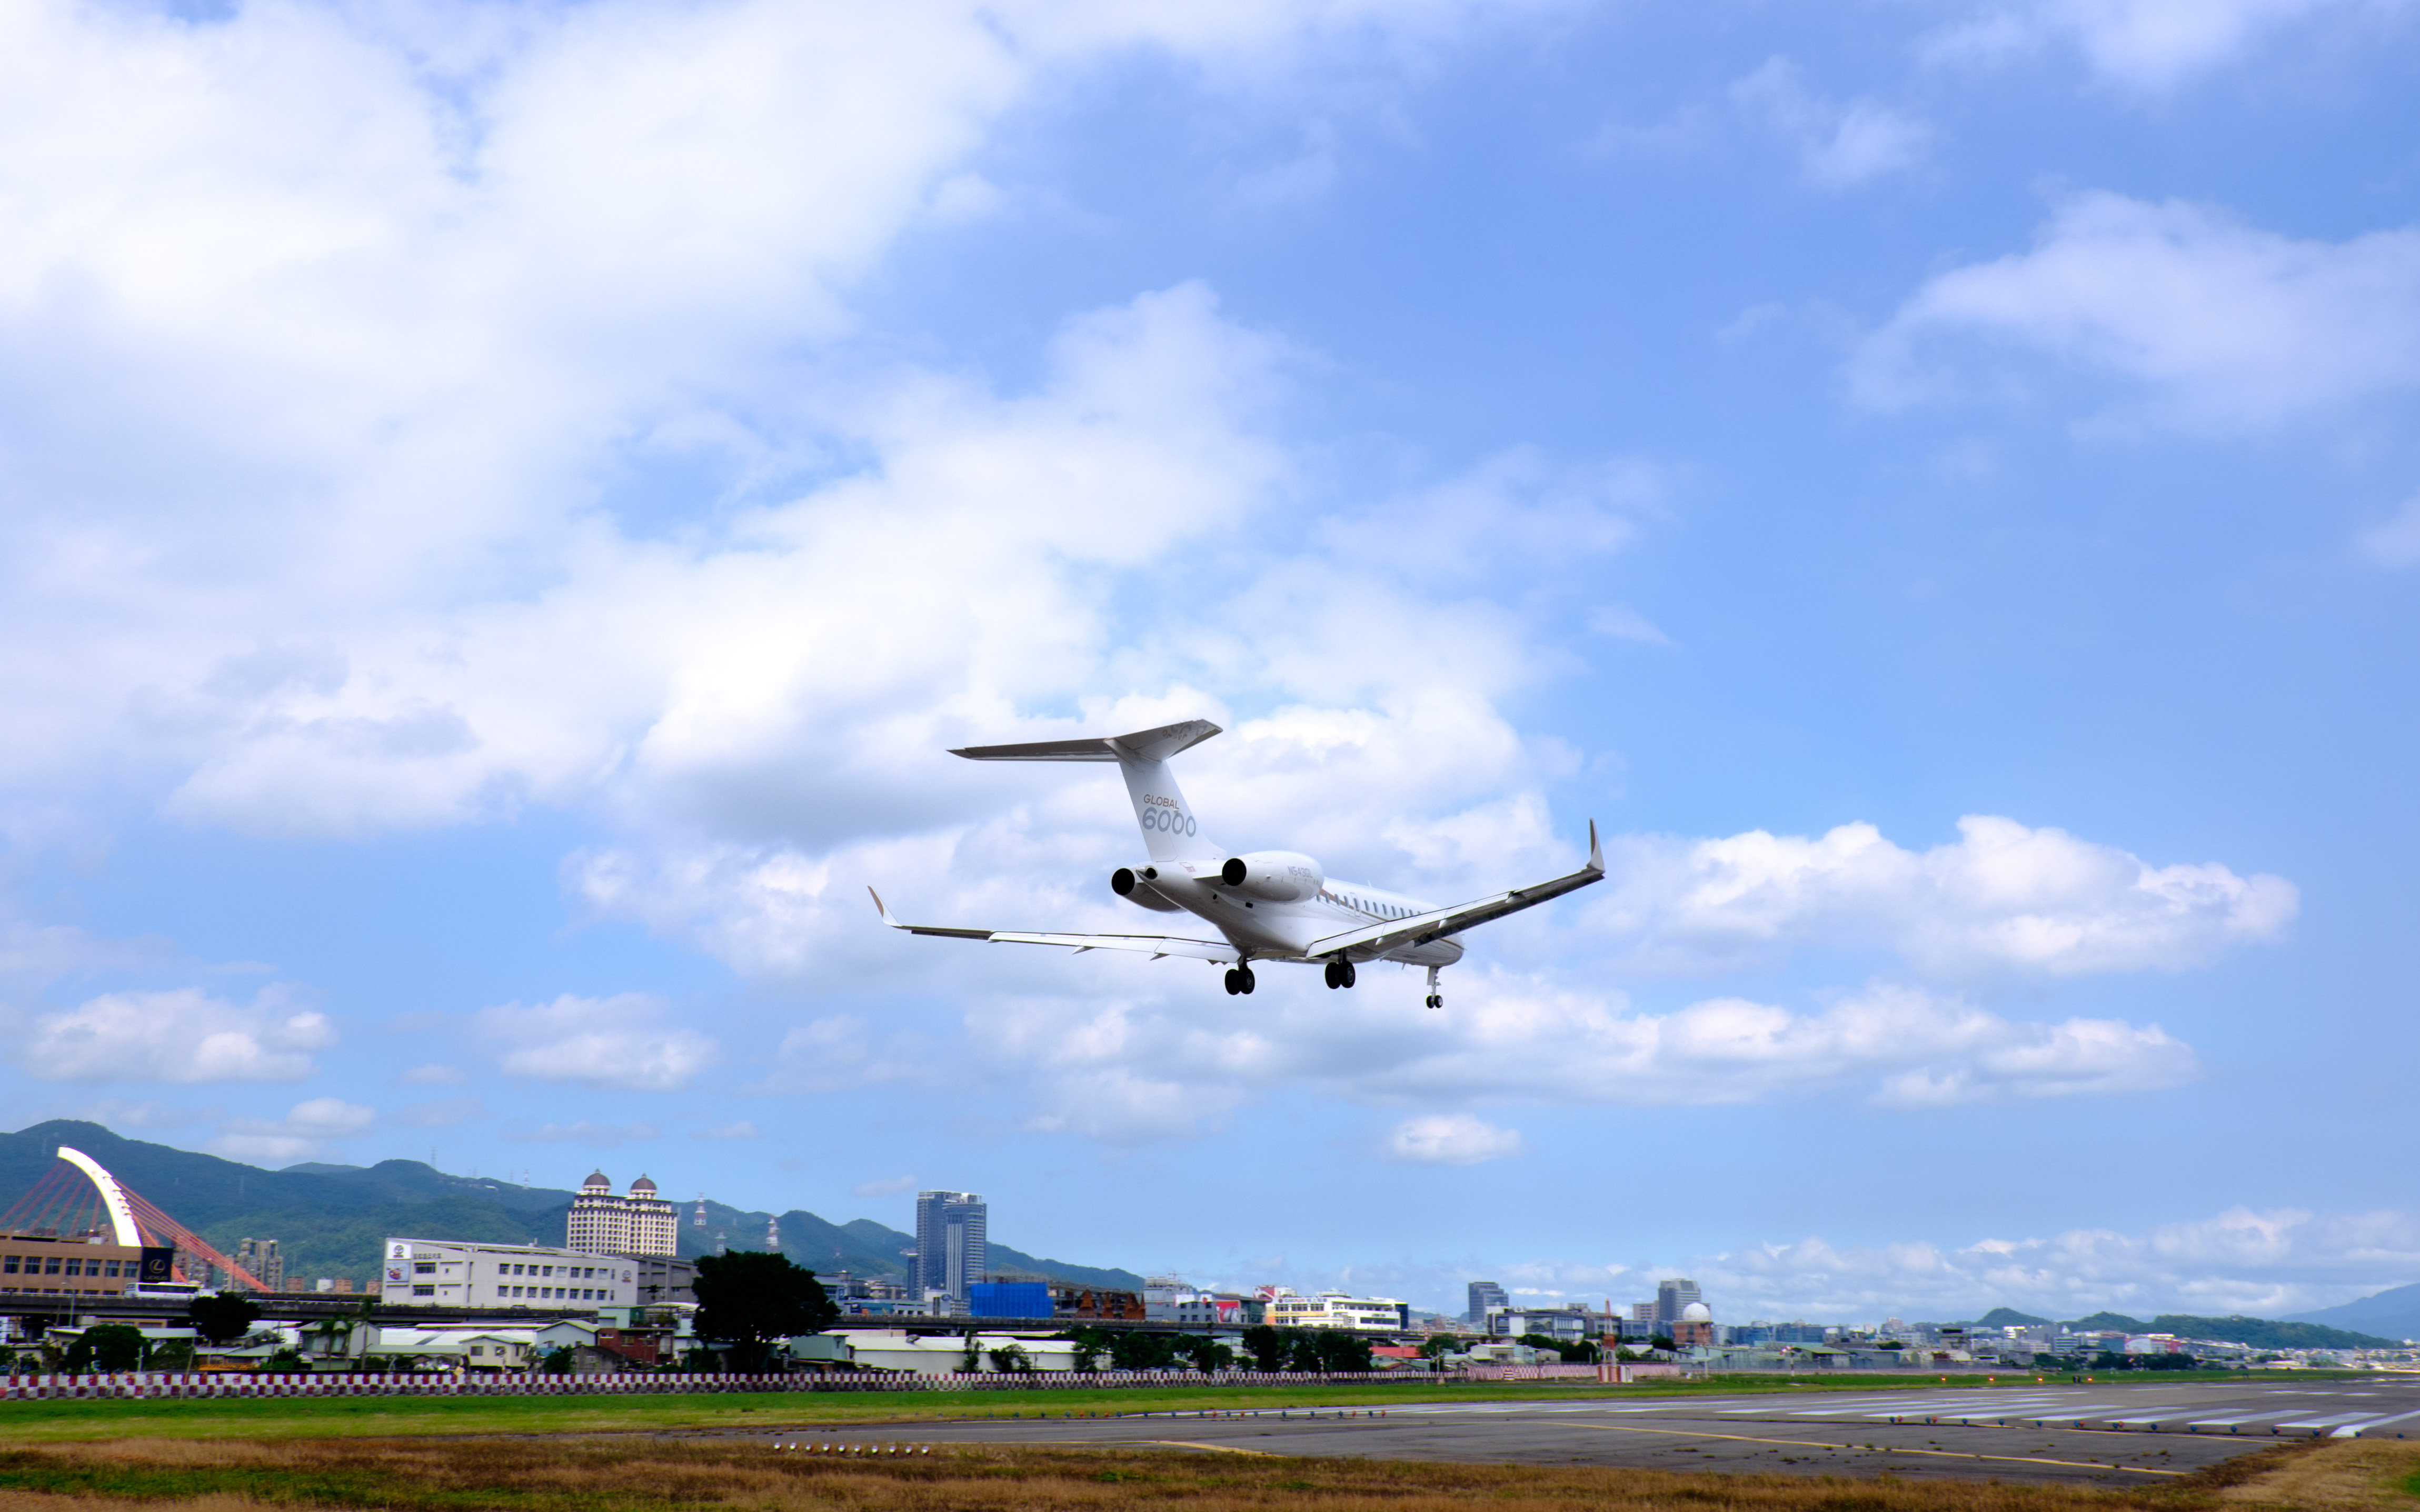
(1239,980)
(1340,972)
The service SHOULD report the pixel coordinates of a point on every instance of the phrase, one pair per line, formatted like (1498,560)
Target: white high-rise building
(637,1223)
(951,1252)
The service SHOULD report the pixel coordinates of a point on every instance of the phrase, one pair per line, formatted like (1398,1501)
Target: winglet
(1596,853)
(880,909)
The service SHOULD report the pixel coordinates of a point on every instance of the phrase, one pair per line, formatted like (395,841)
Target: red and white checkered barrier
(179,1385)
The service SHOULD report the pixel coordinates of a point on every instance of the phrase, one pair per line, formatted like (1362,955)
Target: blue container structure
(1009,1299)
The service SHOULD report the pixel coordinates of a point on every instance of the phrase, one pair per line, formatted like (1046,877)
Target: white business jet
(1266,906)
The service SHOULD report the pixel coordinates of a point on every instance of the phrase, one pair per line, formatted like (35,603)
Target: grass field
(296,1417)
(626,1475)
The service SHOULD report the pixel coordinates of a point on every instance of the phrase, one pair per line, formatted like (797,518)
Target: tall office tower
(260,1258)
(1483,1295)
(637,1223)
(949,1250)
(1673,1295)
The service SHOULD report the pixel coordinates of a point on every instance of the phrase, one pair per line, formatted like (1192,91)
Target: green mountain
(329,1220)
(2008,1317)
(2259,1332)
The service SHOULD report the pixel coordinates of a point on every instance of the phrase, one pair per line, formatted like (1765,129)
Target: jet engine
(1274,877)
(1139,890)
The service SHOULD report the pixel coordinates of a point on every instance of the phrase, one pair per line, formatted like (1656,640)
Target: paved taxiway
(2078,1434)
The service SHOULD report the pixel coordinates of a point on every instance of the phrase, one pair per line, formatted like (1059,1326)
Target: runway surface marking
(1943,1453)
(1221,1448)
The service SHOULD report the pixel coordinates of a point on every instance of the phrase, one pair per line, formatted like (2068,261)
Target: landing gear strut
(1239,980)
(1339,972)
(1437,999)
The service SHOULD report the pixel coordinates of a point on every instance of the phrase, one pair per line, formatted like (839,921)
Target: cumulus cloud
(2143,44)
(1839,144)
(2001,898)
(308,1129)
(2214,322)
(181,1036)
(1146,1059)
(1450,1139)
(621,1043)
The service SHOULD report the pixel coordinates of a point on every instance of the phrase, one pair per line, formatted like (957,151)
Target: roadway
(2093,1434)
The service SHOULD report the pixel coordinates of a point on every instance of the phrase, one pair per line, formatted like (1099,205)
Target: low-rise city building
(451,1272)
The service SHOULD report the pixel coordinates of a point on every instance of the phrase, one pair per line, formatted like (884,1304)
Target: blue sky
(506,506)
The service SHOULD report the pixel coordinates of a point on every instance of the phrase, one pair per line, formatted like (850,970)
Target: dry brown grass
(2353,1475)
(651,1475)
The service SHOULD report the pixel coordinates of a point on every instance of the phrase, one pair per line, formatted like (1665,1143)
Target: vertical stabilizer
(1169,831)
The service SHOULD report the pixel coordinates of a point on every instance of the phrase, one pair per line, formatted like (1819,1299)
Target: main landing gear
(1437,999)
(1239,980)
(1340,972)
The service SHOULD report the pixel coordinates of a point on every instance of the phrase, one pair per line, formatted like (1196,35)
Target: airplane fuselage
(1276,928)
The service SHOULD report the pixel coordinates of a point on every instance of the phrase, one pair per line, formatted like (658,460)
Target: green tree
(107,1347)
(1437,1344)
(557,1362)
(1091,1344)
(1268,1347)
(224,1316)
(1206,1353)
(750,1298)
(1142,1351)
(1012,1360)
(285,1362)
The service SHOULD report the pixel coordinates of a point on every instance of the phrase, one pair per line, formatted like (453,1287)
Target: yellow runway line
(1943,1454)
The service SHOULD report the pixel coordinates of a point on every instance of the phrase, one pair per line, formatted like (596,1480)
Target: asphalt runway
(2094,1434)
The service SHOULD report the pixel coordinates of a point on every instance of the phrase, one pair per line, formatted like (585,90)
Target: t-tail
(1170,831)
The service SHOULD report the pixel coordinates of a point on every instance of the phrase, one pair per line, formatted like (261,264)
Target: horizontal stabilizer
(1374,940)
(1145,744)
(1152,944)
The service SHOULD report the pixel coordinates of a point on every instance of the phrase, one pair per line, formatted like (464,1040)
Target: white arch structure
(112,1197)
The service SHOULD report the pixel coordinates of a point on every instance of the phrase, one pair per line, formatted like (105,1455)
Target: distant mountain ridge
(2259,1332)
(2395,1312)
(329,1220)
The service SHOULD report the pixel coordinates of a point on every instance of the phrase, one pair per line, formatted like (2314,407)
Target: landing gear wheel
(1331,974)
(1344,973)
(1233,981)
(1435,1001)
(1243,980)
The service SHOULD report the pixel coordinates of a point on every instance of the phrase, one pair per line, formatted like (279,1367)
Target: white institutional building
(637,1223)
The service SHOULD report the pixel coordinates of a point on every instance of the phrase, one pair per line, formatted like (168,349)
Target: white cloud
(2001,898)
(308,1130)
(2143,44)
(620,1043)
(2394,541)
(1839,146)
(1450,1139)
(2213,321)
(181,1036)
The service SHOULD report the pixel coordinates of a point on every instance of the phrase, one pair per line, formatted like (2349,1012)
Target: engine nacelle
(1139,890)
(1274,877)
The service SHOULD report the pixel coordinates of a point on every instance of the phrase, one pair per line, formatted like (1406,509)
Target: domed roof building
(1694,1327)
(638,1223)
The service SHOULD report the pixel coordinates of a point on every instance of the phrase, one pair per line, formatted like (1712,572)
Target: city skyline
(502,527)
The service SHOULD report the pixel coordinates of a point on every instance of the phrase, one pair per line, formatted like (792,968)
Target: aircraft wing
(1375,940)
(1152,945)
